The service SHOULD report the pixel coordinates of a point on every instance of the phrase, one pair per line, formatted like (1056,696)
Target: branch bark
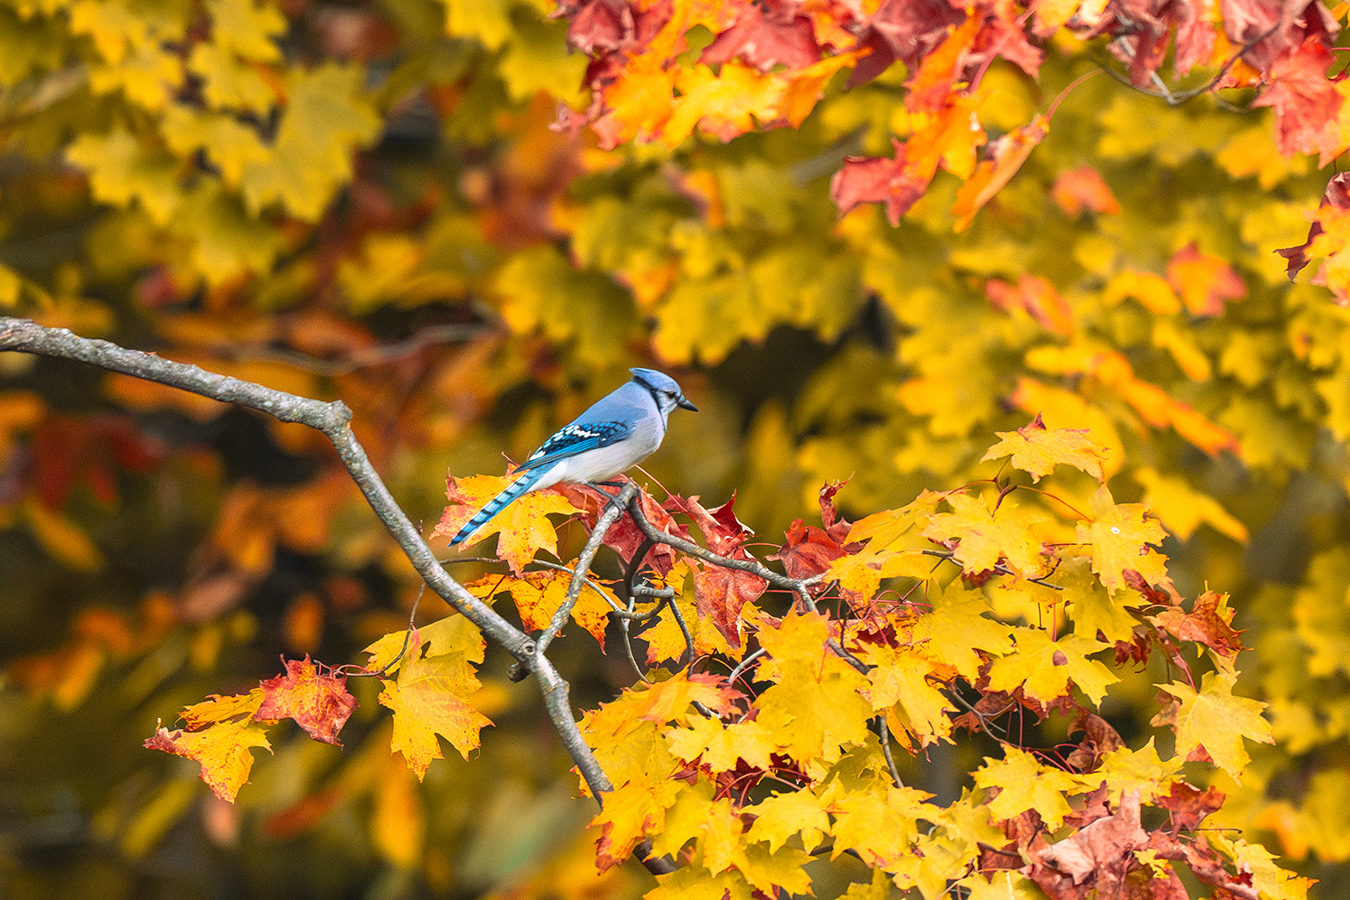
(334,420)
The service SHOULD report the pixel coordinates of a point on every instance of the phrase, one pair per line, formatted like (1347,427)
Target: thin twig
(613,509)
(997,567)
(743,665)
(684,630)
(753,566)
(884,732)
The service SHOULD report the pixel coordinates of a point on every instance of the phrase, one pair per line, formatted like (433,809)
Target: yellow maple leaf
(216,708)
(815,690)
(222,750)
(1043,668)
(1213,719)
(427,698)
(1024,783)
(899,680)
(1036,450)
(880,825)
(1183,509)
(523,526)
(957,627)
(780,816)
(639,102)
(723,104)
(630,812)
(1118,539)
(1126,771)
(894,547)
(987,537)
(722,747)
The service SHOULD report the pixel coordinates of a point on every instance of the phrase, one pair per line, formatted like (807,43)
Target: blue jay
(618,432)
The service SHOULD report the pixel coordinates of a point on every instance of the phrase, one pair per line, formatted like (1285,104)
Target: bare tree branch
(334,420)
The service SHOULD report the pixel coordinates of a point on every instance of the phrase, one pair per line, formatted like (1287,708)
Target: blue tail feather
(496,505)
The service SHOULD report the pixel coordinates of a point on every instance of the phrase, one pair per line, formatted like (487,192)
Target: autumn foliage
(1009,556)
(742,777)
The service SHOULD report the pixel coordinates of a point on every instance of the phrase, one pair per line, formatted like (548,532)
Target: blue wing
(574,439)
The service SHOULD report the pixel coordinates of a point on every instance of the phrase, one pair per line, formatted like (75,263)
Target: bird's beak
(685,404)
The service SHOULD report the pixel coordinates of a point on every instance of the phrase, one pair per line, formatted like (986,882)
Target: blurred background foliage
(367,201)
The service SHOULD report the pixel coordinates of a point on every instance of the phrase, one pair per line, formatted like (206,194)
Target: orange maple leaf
(991,175)
(1205,282)
(941,69)
(1082,189)
(1038,297)
(639,102)
(523,526)
(1210,622)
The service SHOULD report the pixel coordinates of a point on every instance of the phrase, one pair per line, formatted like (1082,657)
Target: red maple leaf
(625,538)
(599,24)
(1336,196)
(895,182)
(318,702)
(1276,28)
(1304,99)
(719,592)
(764,38)
(809,550)
(1208,623)
(907,30)
(1189,805)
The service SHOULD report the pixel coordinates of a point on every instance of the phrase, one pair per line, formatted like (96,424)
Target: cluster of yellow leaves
(742,779)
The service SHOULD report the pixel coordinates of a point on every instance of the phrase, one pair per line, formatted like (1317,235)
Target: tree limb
(334,420)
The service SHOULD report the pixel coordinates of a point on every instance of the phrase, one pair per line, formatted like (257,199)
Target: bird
(617,432)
